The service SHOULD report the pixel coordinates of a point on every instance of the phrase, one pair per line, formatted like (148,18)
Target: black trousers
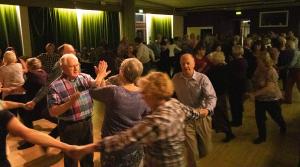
(77,133)
(236,106)
(274,110)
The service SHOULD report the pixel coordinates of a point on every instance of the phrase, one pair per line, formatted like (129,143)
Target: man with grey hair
(194,89)
(69,100)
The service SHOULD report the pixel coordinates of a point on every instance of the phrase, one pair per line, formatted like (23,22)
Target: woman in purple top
(36,78)
(124,108)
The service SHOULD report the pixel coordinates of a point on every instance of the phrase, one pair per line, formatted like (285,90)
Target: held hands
(77,152)
(30,105)
(203,112)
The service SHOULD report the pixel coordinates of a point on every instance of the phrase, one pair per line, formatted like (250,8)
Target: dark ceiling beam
(72,4)
(240,6)
(156,4)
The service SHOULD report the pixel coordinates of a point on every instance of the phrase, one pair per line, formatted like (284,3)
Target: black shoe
(259,140)
(25,145)
(228,138)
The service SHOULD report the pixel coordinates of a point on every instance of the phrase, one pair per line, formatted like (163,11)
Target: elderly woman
(36,78)
(124,108)
(267,95)
(11,75)
(162,131)
(218,75)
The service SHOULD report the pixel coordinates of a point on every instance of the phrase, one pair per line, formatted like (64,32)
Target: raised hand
(101,72)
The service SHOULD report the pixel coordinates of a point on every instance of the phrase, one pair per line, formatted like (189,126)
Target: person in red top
(201,62)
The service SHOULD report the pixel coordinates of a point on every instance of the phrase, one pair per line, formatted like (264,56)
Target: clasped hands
(77,152)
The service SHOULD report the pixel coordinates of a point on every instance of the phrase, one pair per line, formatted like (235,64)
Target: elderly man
(69,100)
(54,74)
(194,89)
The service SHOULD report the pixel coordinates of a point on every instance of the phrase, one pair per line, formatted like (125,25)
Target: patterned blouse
(162,132)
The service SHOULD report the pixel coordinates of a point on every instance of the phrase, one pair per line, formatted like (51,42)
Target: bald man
(194,89)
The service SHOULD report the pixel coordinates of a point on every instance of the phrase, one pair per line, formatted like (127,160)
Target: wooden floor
(278,151)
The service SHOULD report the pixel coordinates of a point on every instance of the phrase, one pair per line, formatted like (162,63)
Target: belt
(74,122)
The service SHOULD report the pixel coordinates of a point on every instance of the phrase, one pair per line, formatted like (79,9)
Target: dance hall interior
(149,83)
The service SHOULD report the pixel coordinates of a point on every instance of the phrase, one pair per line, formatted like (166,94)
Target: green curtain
(161,25)
(53,25)
(9,28)
(61,26)
(65,26)
(100,27)
(41,29)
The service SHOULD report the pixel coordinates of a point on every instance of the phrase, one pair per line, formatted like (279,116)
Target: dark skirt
(122,158)
(220,121)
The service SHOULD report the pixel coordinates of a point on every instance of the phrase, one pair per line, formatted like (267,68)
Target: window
(274,19)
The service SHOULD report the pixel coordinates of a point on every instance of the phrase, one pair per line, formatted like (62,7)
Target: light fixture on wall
(238,13)
(141,11)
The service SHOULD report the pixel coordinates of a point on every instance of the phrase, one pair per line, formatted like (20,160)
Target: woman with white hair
(218,75)
(124,107)
(267,95)
(11,75)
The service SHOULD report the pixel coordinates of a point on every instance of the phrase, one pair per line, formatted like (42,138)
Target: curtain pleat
(162,26)
(60,26)
(10,29)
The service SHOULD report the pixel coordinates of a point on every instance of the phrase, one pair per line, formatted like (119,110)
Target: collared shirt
(196,91)
(163,133)
(48,61)
(60,91)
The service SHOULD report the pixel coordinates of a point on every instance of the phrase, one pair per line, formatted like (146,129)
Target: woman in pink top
(11,75)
